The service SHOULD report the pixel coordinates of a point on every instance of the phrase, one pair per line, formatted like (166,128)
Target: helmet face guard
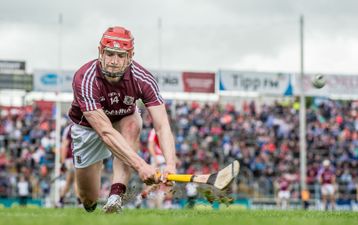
(119,41)
(105,64)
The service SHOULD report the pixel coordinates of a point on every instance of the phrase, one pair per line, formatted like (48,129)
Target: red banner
(199,82)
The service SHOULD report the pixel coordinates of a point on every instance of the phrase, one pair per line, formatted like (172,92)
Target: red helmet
(117,39)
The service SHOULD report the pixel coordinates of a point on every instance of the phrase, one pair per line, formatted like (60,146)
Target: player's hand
(169,169)
(148,174)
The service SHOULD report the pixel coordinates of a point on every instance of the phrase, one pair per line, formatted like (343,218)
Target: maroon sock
(117,189)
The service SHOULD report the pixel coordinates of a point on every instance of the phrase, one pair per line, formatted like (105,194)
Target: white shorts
(284,194)
(327,189)
(88,148)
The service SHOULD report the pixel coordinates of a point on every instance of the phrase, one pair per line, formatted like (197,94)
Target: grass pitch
(75,216)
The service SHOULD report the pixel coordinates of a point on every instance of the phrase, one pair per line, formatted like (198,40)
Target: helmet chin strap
(112,75)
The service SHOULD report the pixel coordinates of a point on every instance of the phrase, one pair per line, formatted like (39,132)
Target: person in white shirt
(191,193)
(23,188)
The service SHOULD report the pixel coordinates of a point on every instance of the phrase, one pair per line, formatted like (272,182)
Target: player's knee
(89,204)
(87,197)
(132,131)
(135,129)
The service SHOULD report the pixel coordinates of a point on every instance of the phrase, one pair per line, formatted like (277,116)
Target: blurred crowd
(263,137)
(27,140)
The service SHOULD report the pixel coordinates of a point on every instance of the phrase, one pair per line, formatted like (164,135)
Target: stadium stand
(263,137)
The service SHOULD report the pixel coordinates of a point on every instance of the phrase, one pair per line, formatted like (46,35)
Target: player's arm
(335,185)
(118,145)
(320,180)
(334,179)
(290,188)
(165,136)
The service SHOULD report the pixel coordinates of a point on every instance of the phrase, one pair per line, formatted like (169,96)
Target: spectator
(23,187)
(191,193)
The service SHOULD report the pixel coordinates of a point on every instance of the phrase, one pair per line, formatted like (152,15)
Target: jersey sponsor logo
(102,99)
(128,100)
(116,112)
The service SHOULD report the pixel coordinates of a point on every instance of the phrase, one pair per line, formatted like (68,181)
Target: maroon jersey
(92,91)
(283,184)
(67,136)
(327,176)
